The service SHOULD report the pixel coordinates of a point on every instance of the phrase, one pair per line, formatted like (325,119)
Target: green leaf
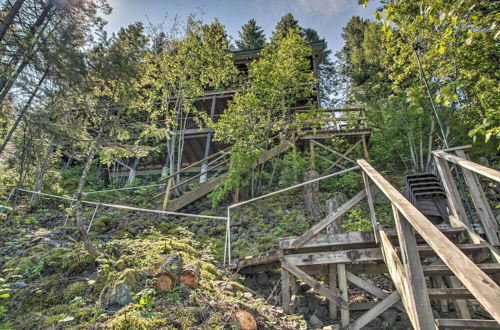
(442,48)
(5,296)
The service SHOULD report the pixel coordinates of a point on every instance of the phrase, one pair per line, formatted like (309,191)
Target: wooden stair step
(426,250)
(438,270)
(449,293)
(466,324)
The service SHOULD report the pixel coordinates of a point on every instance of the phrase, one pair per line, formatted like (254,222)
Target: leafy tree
(260,111)
(190,63)
(456,46)
(251,36)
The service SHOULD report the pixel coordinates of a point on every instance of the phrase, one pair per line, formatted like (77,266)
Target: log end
(189,278)
(245,320)
(164,282)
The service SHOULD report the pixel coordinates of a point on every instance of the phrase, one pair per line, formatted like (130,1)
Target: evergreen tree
(285,24)
(251,36)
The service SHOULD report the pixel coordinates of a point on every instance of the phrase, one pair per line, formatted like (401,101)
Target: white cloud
(325,7)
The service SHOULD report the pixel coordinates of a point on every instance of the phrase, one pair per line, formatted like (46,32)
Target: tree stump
(311,198)
(331,206)
(245,320)
(169,273)
(190,274)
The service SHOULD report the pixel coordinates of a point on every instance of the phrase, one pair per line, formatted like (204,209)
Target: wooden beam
(315,285)
(332,284)
(378,309)
(398,276)
(413,268)
(370,288)
(454,200)
(334,257)
(371,206)
(344,311)
(336,163)
(285,290)
(480,202)
(450,293)
(480,285)
(337,239)
(465,163)
(333,151)
(328,220)
(466,324)
(167,194)
(365,146)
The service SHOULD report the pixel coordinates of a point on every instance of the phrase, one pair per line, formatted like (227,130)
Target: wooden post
(461,304)
(204,166)
(454,201)
(344,312)
(312,162)
(413,268)
(480,202)
(285,290)
(365,146)
(167,195)
(371,206)
(332,283)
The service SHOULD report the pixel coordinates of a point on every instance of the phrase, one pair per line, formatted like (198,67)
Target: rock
(315,322)
(121,291)
(484,161)
(66,319)
(263,280)
(19,285)
(390,316)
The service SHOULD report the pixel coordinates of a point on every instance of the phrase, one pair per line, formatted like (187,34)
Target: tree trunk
(190,274)
(41,173)
(311,198)
(6,83)
(21,114)
(331,206)
(82,230)
(9,18)
(169,273)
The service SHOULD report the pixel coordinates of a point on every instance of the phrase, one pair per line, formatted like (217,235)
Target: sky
(325,16)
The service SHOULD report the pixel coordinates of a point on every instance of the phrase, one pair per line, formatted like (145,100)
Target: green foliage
(356,221)
(294,166)
(275,81)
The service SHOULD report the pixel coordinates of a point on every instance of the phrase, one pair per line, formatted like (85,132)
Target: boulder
(315,322)
(121,291)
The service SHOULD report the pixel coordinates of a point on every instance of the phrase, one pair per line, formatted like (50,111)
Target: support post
(413,268)
(455,202)
(371,206)
(204,166)
(167,194)
(344,311)
(365,146)
(332,283)
(480,202)
(312,162)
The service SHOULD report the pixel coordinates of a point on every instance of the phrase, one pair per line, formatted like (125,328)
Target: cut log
(190,274)
(169,273)
(311,198)
(245,320)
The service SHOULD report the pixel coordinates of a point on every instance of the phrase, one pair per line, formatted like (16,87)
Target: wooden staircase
(435,268)
(207,187)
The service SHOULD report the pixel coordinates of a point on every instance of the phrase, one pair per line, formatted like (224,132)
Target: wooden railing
(407,272)
(469,170)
